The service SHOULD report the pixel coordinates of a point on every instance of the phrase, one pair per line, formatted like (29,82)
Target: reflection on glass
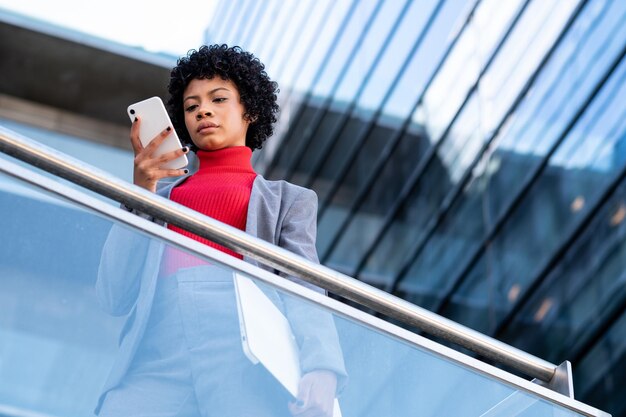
(243,8)
(593,270)
(58,351)
(309,33)
(323,43)
(545,214)
(464,64)
(305,15)
(386,24)
(461,145)
(604,364)
(267,46)
(256,19)
(490,194)
(351,35)
(425,59)
(396,54)
(258,33)
(367,146)
(223,14)
(345,47)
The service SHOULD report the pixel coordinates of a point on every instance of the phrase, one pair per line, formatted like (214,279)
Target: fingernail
(169,128)
(186,171)
(185,149)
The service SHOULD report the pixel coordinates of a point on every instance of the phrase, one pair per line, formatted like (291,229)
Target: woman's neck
(237,157)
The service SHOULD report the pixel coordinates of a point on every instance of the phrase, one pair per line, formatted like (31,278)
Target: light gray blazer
(281,213)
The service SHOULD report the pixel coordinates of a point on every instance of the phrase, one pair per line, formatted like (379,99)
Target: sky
(158,26)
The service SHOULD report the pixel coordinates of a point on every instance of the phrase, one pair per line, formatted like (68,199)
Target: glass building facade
(469,156)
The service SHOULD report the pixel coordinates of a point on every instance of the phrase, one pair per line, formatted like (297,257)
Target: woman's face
(214,114)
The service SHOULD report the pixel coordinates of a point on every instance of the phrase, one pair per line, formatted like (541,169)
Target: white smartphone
(154,119)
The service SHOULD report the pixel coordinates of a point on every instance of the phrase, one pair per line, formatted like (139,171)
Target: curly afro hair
(258,93)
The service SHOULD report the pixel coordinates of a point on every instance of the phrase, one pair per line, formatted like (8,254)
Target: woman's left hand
(316,395)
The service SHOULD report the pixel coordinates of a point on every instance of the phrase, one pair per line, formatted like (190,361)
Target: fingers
(135,140)
(307,411)
(174,172)
(145,158)
(170,156)
(158,140)
(316,394)
(149,178)
(134,136)
(150,169)
(301,407)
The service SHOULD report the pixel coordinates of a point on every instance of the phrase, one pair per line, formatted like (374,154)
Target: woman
(222,105)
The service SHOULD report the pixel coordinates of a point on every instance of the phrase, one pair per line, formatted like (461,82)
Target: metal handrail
(71,169)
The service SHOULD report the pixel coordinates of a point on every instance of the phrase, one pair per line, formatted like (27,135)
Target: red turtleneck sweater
(220,189)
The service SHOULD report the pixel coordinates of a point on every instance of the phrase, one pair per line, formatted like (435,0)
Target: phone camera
(132,111)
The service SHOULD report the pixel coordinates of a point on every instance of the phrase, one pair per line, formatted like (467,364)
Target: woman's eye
(191,108)
(219,100)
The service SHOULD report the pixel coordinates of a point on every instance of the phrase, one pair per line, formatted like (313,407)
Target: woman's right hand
(148,171)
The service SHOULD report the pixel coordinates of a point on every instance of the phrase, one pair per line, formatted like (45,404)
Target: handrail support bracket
(562,381)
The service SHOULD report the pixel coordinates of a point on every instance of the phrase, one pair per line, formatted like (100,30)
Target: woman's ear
(249,118)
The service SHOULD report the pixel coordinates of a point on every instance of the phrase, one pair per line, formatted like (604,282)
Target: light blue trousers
(190,361)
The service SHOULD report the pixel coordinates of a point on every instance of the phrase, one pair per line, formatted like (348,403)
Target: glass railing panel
(72,281)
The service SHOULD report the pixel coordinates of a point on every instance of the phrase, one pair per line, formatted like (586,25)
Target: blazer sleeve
(313,327)
(122,262)
(119,272)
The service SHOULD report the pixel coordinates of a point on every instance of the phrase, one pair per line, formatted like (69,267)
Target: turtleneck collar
(237,157)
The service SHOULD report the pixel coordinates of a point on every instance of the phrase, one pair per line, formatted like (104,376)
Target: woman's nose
(203,113)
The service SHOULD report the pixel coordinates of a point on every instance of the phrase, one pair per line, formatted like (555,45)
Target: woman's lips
(206,127)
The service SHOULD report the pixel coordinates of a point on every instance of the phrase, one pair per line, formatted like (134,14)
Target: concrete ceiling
(73,72)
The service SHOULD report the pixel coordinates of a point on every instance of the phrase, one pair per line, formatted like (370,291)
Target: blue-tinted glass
(221,20)
(234,18)
(239,23)
(294,114)
(290,47)
(58,352)
(323,87)
(585,286)
(494,186)
(366,222)
(396,53)
(385,191)
(254,22)
(323,43)
(464,64)
(534,34)
(582,59)
(361,64)
(442,256)
(438,180)
(272,38)
(466,49)
(116,161)
(373,142)
(343,198)
(344,47)
(597,373)
(481,307)
(259,34)
(425,59)
(312,149)
(334,160)
(352,131)
(554,206)
(311,34)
